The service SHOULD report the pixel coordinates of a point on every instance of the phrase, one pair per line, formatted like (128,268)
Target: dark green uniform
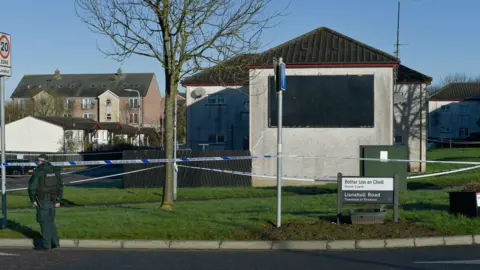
(49,191)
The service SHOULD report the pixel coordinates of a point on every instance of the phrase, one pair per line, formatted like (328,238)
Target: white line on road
(8,254)
(454,262)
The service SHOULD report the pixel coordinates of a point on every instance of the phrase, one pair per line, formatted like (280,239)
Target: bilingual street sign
(368,190)
(5,55)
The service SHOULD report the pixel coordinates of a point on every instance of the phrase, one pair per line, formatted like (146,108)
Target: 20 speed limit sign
(5,56)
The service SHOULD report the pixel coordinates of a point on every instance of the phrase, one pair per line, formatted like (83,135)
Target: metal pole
(279,149)
(175,168)
(2,123)
(139,115)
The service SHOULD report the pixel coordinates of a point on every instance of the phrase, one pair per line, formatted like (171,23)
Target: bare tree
(185,36)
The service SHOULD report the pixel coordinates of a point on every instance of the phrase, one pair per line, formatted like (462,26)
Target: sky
(441,36)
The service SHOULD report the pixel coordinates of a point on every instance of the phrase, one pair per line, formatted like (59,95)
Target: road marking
(454,262)
(8,254)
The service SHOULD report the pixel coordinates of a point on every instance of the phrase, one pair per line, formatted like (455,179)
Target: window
(246,103)
(133,118)
(68,104)
(23,103)
(463,109)
(108,102)
(69,136)
(213,138)
(109,116)
(87,104)
(445,108)
(88,115)
(463,132)
(133,102)
(67,115)
(445,130)
(216,99)
(398,139)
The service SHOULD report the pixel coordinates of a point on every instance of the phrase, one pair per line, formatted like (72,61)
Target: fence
(59,157)
(188,177)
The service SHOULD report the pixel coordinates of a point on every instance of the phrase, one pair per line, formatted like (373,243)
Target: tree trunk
(171,94)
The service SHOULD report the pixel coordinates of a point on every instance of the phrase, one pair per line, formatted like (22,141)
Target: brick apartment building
(100,97)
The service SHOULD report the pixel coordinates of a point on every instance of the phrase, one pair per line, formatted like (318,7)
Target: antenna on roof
(397,44)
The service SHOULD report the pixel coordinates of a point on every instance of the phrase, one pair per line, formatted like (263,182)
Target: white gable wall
(32,135)
(329,142)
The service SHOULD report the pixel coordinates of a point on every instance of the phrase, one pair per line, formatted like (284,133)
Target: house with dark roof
(454,111)
(67,134)
(128,98)
(341,93)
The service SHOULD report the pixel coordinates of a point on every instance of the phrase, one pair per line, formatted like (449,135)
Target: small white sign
(478,199)
(5,55)
(383,156)
(367,184)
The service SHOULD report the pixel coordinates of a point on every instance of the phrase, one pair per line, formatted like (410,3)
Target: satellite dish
(398,98)
(198,93)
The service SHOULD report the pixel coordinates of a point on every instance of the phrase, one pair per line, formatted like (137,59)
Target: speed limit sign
(5,55)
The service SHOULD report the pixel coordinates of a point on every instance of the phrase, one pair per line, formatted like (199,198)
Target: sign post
(5,71)
(280,86)
(175,167)
(367,190)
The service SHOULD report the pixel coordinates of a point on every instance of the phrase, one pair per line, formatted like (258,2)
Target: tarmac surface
(14,182)
(456,257)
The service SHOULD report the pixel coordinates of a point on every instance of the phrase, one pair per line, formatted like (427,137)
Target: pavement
(458,257)
(14,182)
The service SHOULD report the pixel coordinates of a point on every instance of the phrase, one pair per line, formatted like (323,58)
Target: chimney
(57,73)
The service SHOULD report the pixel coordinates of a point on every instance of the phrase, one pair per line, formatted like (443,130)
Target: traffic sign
(5,55)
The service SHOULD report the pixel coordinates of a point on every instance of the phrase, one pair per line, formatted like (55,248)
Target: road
(14,182)
(407,259)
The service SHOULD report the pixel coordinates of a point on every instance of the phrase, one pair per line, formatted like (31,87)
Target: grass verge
(449,154)
(423,212)
(96,195)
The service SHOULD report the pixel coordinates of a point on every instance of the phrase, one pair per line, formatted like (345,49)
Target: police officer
(45,193)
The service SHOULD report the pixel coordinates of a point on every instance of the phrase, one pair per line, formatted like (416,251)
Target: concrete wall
(410,125)
(332,142)
(32,135)
(446,122)
(230,119)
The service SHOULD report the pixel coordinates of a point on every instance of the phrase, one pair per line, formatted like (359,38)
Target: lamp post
(139,111)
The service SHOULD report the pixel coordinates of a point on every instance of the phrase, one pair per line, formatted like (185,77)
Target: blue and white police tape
(94,179)
(443,173)
(316,179)
(226,158)
(137,161)
(64,154)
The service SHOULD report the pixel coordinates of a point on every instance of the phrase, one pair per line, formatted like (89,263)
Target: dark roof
(408,75)
(325,46)
(79,123)
(83,85)
(69,122)
(230,71)
(321,46)
(457,91)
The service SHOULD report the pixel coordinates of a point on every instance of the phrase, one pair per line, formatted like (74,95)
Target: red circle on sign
(8,42)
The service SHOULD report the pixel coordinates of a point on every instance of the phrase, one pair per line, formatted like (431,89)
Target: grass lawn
(449,154)
(92,195)
(304,217)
